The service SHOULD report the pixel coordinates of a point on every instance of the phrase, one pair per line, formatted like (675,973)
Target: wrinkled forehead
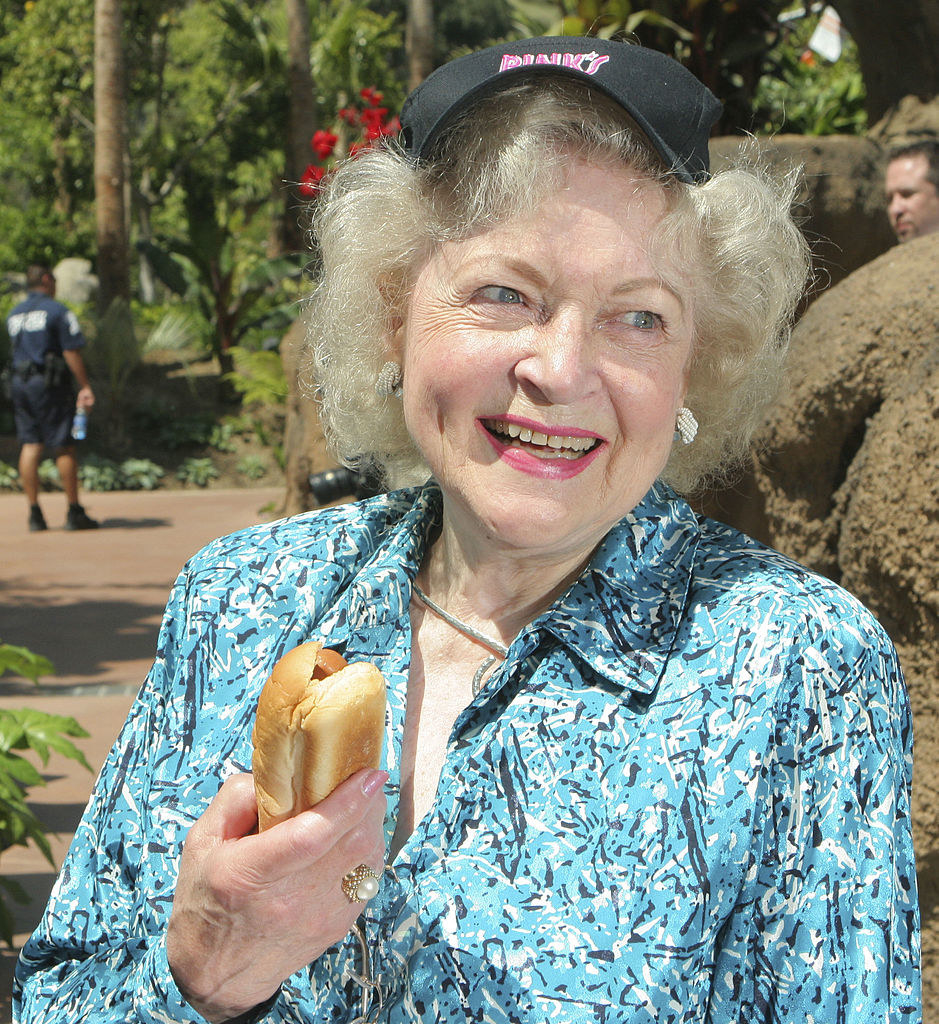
(908,167)
(591,216)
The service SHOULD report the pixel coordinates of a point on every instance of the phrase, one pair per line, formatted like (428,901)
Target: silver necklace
(467,630)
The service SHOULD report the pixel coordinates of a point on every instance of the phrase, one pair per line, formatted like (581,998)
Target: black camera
(332,484)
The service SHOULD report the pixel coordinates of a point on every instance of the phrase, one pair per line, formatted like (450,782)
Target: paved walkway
(91,602)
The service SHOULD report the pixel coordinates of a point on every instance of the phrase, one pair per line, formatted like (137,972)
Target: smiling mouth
(545,446)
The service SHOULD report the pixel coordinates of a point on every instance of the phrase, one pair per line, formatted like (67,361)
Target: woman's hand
(251,909)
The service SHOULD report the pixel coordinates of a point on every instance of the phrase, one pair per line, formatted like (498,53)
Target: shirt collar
(620,616)
(397,536)
(623,613)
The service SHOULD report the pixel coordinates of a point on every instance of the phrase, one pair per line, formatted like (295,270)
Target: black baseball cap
(674,110)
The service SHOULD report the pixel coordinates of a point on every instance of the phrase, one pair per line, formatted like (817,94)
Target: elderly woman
(637,767)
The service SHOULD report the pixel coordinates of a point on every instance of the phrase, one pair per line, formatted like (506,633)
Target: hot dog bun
(311,734)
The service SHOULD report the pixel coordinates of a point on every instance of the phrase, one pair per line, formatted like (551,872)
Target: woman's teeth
(553,446)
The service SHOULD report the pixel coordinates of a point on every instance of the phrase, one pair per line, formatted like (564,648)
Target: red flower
(808,58)
(371,95)
(310,183)
(349,114)
(323,144)
(373,121)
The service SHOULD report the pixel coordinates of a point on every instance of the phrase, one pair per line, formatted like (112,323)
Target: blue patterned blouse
(684,796)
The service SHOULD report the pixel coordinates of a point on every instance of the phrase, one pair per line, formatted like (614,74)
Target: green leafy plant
(141,475)
(49,476)
(99,474)
(174,431)
(251,466)
(259,377)
(236,293)
(22,662)
(262,433)
(280,456)
(197,472)
(37,733)
(805,94)
(220,437)
(9,477)
(116,351)
(723,42)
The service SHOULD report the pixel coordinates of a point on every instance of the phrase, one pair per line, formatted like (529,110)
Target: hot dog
(319,720)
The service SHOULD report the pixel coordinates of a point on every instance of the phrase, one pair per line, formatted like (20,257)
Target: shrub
(98,474)
(220,437)
(49,476)
(259,377)
(9,477)
(141,475)
(808,95)
(39,733)
(197,471)
(184,431)
(252,466)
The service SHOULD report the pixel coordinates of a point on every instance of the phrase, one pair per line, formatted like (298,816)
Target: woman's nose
(558,364)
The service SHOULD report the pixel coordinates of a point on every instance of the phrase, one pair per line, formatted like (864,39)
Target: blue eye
(496,293)
(643,319)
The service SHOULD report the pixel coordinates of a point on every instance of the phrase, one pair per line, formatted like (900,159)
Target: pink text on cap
(564,60)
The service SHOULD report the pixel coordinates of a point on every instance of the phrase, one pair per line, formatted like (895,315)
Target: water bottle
(80,424)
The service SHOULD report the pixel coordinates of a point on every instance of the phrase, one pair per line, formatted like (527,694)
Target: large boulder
(841,201)
(912,119)
(847,482)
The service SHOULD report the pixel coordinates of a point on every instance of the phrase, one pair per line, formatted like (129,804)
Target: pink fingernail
(373,782)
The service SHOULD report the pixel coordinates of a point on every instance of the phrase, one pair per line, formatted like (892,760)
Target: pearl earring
(389,379)
(686,426)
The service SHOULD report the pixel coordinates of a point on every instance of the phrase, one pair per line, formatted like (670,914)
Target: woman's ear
(394,339)
(393,335)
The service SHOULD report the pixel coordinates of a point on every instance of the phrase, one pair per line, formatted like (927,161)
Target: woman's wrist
(215,1013)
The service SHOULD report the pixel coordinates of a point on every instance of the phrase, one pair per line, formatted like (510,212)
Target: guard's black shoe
(78,519)
(37,521)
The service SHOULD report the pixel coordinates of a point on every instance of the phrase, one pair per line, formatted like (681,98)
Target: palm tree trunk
(301,122)
(111,220)
(420,41)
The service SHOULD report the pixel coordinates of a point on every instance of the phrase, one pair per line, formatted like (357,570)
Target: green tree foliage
(724,42)
(460,27)
(46,184)
(802,93)
(354,47)
(753,61)
(215,266)
(207,126)
(203,96)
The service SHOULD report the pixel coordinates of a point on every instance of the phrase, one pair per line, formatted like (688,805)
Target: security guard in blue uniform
(46,349)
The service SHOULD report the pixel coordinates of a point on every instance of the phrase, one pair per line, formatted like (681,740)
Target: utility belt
(53,369)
